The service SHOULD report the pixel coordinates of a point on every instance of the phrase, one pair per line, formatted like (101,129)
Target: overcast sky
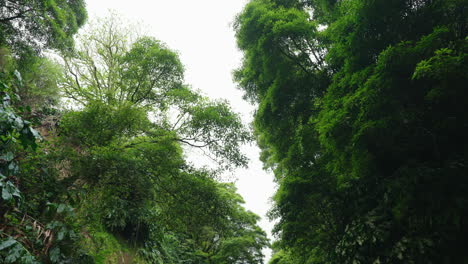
(201,32)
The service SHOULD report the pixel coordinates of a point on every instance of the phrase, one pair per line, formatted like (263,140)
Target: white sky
(201,32)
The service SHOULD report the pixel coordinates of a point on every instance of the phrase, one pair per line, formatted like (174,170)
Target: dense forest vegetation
(93,128)
(361,115)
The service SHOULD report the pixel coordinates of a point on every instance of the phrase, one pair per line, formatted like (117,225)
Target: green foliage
(109,66)
(40,78)
(360,117)
(37,89)
(32,230)
(25,23)
(105,247)
(26,239)
(281,257)
(118,157)
(150,69)
(110,70)
(15,252)
(213,125)
(16,134)
(109,181)
(99,124)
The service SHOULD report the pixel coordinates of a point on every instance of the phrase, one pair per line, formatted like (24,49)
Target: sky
(201,32)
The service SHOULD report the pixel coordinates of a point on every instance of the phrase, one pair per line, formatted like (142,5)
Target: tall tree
(110,67)
(359,114)
(123,145)
(37,24)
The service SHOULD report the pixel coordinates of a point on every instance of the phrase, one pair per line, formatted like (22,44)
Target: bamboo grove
(361,115)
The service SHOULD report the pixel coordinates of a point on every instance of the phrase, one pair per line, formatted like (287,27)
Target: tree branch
(18,15)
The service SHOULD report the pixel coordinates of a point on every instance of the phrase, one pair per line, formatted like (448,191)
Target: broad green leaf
(7,243)
(9,156)
(6,193)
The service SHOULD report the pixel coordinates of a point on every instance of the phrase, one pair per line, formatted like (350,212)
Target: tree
(37,24)
(123,146)
(240,239)
(112,65)
(109,180)
(109,68)
(359,114)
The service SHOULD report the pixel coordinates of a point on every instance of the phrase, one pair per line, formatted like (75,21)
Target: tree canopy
(40,23)
(99,174)
(360,117)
